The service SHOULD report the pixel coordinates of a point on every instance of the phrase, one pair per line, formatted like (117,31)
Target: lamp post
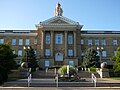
(100,49)
(26,48)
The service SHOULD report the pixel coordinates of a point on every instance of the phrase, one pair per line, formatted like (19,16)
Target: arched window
(58,56)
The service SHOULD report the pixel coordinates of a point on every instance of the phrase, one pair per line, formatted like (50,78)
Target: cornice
(18,34)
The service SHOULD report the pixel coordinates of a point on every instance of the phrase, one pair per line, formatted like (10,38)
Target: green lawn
(13,79)
(115,78)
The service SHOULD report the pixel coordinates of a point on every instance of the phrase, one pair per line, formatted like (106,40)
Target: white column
(43,42)
(66,44)
(74,43)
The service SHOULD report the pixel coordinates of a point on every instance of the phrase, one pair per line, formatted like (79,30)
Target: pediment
(59,20)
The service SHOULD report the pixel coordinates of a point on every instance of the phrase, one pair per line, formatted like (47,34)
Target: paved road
(59,88)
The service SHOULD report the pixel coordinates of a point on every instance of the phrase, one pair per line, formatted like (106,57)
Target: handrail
(94,79)
(29,77)
(99,72)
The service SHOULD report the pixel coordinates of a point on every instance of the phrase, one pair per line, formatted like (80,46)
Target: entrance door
(59,58)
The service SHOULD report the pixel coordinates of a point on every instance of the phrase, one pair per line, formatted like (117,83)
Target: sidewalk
(104,82)
(60,88)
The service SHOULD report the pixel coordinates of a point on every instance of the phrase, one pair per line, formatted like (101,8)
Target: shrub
(63,70)
(3,74)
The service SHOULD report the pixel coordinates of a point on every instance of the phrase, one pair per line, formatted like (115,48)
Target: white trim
(2,30)
(18,34)
(100,35)
(25,31)
(69,21)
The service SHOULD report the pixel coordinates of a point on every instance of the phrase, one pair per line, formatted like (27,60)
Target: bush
(3,74)
(63,70)
(1,80)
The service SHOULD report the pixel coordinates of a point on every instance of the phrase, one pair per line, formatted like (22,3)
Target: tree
(116,60)
(63,70)
(32,61)
(90,58)
(6,61)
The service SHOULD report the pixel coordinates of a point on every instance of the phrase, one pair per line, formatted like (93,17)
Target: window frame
(89,41)
(47,52)
(1,40)
(13,41)
(103,42)
(96,42)
(104,54)
(20,42)
(47,38)
(19,53)
(27,41)
(70,52)
(59,38)
(70,39)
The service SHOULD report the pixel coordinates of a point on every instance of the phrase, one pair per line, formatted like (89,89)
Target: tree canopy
(6,61)
(7,57)
(90,58)
(116,60)
(30,55)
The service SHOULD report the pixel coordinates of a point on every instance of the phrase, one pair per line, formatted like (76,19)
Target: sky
(93,14)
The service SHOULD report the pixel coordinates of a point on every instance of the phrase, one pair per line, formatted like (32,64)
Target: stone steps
(60,84)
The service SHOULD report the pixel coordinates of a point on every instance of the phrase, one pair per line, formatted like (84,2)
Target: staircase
(43,74)
(47,79)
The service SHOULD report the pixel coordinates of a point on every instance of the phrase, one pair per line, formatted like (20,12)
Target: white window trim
(47,38)
(59,35)
(70,39)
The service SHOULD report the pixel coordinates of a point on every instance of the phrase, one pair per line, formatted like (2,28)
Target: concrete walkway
(59,88)
(104,82)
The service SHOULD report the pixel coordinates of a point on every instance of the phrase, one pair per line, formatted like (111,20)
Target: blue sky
(93,14)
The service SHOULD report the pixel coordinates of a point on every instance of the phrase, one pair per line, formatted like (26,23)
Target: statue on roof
(58,10)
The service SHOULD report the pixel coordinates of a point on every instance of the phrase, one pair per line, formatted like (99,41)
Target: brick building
(60,41)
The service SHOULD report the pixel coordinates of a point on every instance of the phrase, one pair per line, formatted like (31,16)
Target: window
(103,42)
(59,56)
(47,52)
(115,52)
(82,41)
(59,38)
(82,53)
(13,52)
(35,41)
(47,38)
(19,53)
(71,63)
(98,53)
(89,42)
(96,42)
(35,52)
(20,41)
(114,42)
(1,41)
(27,42)
(47,63)
(104,53)
(70,39)
(70,52)
(13,41)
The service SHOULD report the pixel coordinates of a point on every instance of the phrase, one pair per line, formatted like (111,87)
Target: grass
(13,79)
(114,78)
(92,70)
